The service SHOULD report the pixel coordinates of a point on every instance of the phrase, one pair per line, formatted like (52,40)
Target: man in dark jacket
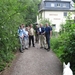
(48,34)
(42,36)
(37,34)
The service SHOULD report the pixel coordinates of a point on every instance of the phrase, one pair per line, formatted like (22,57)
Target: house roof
(54,9)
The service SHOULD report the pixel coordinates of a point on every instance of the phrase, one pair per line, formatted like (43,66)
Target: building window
(65,13)
(58,5)
(47,4)
(54,26)
(64,5)
(52,5)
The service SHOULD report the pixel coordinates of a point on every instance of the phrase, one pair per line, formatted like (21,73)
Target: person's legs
(48,42)
(21,43)
(30,40)
(37,38)
(26,43)
(33,41)
(44,41)
(41,40)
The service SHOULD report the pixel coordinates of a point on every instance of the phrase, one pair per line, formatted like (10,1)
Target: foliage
(56,45)
(44,21)
(69,44)
(64,45)
(73,1)
(12,14)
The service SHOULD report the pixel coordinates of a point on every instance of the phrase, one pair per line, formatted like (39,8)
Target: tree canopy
(73,1)
(12,14)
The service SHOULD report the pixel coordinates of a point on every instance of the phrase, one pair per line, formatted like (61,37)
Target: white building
(56,11)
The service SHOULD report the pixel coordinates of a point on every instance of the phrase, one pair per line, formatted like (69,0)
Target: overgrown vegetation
(44,21)
(12,14)
(64,44)
(15,12)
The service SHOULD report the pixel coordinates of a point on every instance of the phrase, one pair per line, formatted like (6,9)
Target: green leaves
(64,46)
(73,0)
(12,14)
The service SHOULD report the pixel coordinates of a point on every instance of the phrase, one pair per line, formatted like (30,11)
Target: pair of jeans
(48,40)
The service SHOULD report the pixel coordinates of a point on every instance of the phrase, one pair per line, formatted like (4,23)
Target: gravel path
(36,61)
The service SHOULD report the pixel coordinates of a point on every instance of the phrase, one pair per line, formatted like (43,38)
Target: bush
(12,14)
(64,45)
(56,45)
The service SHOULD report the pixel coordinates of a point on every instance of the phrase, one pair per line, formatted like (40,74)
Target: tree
(73,1)
(12,14)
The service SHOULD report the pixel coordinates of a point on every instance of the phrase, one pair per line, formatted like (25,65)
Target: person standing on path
(48,34)
(31,36)
(26,38)
(37,34)
(42,36)
(21,37)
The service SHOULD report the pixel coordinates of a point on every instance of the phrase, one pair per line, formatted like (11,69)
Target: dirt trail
(36,61)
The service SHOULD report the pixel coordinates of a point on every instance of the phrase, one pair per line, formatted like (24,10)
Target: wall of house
(55,11)
(55,17)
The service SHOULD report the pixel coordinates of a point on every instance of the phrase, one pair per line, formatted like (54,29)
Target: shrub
(64,45)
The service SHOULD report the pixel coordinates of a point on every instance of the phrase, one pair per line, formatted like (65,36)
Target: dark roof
(55,9)
(55,1)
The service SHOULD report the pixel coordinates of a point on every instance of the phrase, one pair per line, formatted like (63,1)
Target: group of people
(41,33)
